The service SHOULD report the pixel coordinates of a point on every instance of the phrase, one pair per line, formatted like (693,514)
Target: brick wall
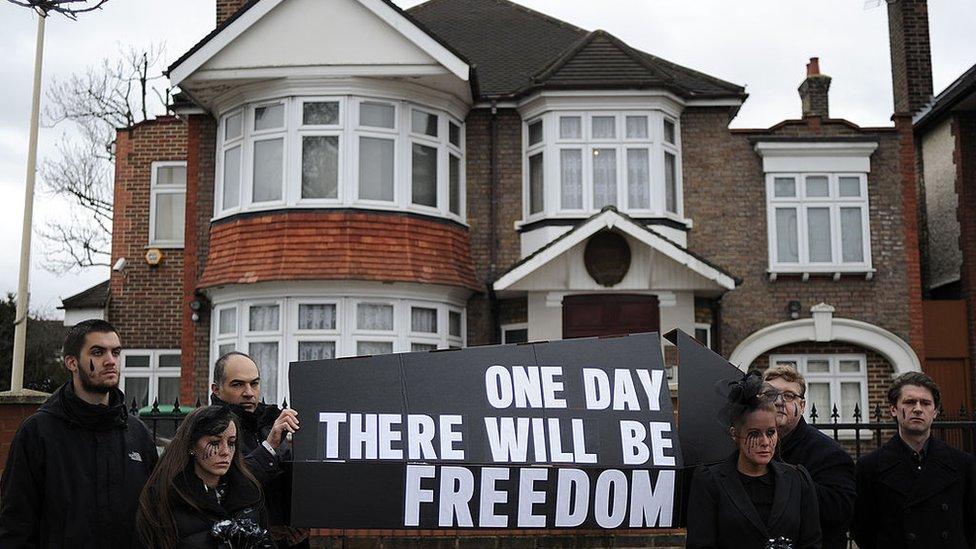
(226,8)
(911,57)
(724,188)
(145,301)
(14,409)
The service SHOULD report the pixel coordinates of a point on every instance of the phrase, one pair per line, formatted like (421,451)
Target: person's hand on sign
(287,422)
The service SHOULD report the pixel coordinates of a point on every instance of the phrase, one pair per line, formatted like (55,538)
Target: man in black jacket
(915,491)
(77,466)
(237,383)
(829,465)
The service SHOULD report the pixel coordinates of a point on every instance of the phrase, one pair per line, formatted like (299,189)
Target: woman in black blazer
(750,501)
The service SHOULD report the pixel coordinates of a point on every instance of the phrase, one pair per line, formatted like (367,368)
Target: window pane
(638,179)
(227,321)
(519,335)
(454,163)
(171,175)
(670,182)
(268,157)
(317,316)
(320,166)
(784,187)
(454,324)
(851,235)
(423,320)
(365,348)
(424,123)
(375,168)
(850,395)
(787,248)
(137,361)
(535,132)
(818,221)
(637,127)
(535,184)
(169,361)
(169,216)
(815,366)
(265,355)
(378,115)
(817,187)
(850,366)
(669,133)
(232,177)
(850,186)
(424,175)
(454,134)
(169,389)
(570,127)
(790,363)
(701,334)
(320,113)
(818,394)
(233,126)
(316,350)
(263,318)
(225,348)
(269,117)
(571,179)
(374,316)
(422,347)
(604,127)
(604,178)
(137,388)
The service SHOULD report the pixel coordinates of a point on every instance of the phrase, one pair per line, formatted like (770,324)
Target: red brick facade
(226,8)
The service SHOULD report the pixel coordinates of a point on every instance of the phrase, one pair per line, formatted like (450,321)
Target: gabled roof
(962,89)
(610,218)
(95,297)
(517,50)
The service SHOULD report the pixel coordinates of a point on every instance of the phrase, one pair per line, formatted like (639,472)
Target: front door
(609,314)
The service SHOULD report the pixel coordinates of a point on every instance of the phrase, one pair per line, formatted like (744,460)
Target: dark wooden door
(609,314)
(947,358)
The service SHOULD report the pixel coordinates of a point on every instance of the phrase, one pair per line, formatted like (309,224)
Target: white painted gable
(318,33)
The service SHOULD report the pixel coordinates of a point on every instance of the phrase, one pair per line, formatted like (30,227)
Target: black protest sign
(575,433)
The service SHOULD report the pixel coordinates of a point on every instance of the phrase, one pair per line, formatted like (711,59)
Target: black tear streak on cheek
(91,365)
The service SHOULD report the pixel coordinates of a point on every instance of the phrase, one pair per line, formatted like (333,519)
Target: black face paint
(91,365)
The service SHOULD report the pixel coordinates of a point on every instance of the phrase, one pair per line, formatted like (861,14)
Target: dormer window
(576,163)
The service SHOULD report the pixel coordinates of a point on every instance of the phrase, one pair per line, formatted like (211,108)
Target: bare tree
(115,94)
(68,8)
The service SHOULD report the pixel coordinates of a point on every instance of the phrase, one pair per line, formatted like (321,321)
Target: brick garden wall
(13,411)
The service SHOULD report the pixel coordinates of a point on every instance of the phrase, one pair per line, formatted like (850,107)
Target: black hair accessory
(744,395)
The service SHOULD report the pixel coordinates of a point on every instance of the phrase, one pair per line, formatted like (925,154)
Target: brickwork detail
(226,8)
(911,57)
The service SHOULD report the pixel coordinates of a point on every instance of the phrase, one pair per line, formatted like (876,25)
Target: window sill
(161,246)
(832,272)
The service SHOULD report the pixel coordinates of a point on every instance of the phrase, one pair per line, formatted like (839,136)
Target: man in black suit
(829,465)
(915,491)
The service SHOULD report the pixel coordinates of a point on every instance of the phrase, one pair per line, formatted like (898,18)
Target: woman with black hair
(201,494)
(750,501)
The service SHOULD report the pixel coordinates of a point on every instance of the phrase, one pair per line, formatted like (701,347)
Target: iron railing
(163,419)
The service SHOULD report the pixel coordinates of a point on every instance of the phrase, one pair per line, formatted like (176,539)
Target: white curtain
(670,183)
(604,177)
(374,316)
(604,127)
(265,355)
(817,187)
(169,216)
(787,246)
(364,348)
(377,115)
(536,178)
(320,166)
(455,184)
(137,388)
(638,178)
(227,320)
(850,186)
(425,123)
(850,395)
(268,158)
(851,235)
(316,316)
(421,347)
(570,127)
(571,178)
(423,320)
(375,168)
(320,113)
(316,350)
(171,175)
(225,348)
(424,175)
(233,126)
(263,318)
(819,394)
(232,177)
(784,187)
(818,232)
(269,117)
(168,389)
(637,127)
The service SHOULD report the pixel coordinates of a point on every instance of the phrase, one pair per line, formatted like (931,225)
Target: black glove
(241,534)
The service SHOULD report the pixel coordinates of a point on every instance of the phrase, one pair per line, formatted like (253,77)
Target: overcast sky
(761,44)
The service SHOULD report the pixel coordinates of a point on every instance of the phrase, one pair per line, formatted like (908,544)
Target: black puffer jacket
(241,500)
(74,474)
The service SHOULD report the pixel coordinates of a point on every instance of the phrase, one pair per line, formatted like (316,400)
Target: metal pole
(20,329)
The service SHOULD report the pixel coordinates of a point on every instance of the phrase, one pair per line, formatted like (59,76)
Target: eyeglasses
(771,395)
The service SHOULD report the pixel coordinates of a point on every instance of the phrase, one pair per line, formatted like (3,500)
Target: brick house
(346,178)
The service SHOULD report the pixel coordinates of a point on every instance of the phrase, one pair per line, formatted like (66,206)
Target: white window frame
(801,203)
(153,373)
(514,326)
(708,331)
(834,378)
(297,134)
(157,189)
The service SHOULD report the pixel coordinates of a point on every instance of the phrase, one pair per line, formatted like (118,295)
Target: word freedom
(479,493)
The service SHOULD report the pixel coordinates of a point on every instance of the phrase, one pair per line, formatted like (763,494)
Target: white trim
(894,349)
(405,27)
(152,373)
(816,156)
(607,220)
(156,189)
(514,326)
(328,71)
(707,326)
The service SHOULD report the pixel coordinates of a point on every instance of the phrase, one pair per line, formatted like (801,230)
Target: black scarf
(93,417)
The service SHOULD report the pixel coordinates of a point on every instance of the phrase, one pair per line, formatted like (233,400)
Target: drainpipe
(493,226)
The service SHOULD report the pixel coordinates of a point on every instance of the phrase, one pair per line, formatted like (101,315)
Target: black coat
(900,506)
(74,475)
(242,500)
(832,471)
(721,516)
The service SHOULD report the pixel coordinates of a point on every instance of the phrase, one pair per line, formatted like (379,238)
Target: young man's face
(790,404)
(242,383)
(97,367)
(915,410)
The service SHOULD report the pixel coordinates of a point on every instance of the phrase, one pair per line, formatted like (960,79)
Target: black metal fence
(163,419)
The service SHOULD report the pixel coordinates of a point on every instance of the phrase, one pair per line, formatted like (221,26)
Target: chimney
(813,91)
(226,8)
(911,55)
